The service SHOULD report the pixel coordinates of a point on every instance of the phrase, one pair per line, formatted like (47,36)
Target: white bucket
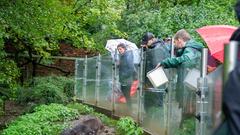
(157,77)
(191,78)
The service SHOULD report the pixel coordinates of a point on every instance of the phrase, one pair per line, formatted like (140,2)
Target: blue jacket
(127,70)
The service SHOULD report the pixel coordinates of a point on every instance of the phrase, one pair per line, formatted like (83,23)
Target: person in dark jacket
(154,49)
(231,101)
(149,41)
(127,71)
(231,92)
(231,105)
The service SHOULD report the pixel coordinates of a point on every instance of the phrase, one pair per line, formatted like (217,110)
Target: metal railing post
(85,79)
(98,77)
(202,97)
(170,92)
(75,79)
(114,80)
(140,93)
(230,59)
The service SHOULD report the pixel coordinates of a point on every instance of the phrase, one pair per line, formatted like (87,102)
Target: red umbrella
(215,37)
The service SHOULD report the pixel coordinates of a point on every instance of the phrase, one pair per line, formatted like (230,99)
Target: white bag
(157,77)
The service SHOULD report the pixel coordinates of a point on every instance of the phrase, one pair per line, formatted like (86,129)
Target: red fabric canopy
(215,37)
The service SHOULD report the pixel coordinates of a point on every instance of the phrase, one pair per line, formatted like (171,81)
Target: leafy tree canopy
(37,26)
(164,18)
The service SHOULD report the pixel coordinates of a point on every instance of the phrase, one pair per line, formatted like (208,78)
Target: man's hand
(210,69)
(144,46)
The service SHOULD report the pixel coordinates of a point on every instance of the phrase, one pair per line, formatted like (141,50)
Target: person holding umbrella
(127,72)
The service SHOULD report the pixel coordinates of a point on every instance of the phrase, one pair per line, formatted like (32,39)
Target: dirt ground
(12,110)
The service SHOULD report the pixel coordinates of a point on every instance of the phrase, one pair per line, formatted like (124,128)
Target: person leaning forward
(187,51)
(188,54)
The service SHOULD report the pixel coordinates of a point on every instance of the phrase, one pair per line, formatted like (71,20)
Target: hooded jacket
(186,55)
(156,51)
(126,68)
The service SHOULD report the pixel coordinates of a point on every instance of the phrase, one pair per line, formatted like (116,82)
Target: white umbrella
(112,44)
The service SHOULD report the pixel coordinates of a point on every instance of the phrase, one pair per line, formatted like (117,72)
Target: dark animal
(91,126)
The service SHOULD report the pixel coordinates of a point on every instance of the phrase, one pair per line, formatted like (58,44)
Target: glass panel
(79,78)
(105,83)
(215,99)
(127,104)
(183,98)
(80,68)
(154,99)
(91,80)
(79,88)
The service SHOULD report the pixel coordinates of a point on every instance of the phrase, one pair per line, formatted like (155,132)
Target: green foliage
(53,118)
(33,24)
(52,89)
(168,18)
(188,127)
(105,119)
(94,22)
(82,109)
(42,121)
(126,126)
(40,24)
(1,107)
(37,27)
(8,69)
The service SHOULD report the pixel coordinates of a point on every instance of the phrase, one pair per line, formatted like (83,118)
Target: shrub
(166,19)
(188,127)
(52,89)
(82,109)
(45,120)
(1,107)
(106,120)
(126,126)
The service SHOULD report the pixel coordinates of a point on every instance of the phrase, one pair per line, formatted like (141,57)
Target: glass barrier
(215,99)
(183,101)
(90,93)
(79,76)
(154,105)
(126,103)
(170,109)
(105,88)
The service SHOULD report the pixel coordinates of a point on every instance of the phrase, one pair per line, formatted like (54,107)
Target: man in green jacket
(188,51)
(188,56)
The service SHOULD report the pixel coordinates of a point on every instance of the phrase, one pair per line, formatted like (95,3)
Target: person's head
(121,48)
(181,37)
(167,40)
(148,39)
(237,10)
